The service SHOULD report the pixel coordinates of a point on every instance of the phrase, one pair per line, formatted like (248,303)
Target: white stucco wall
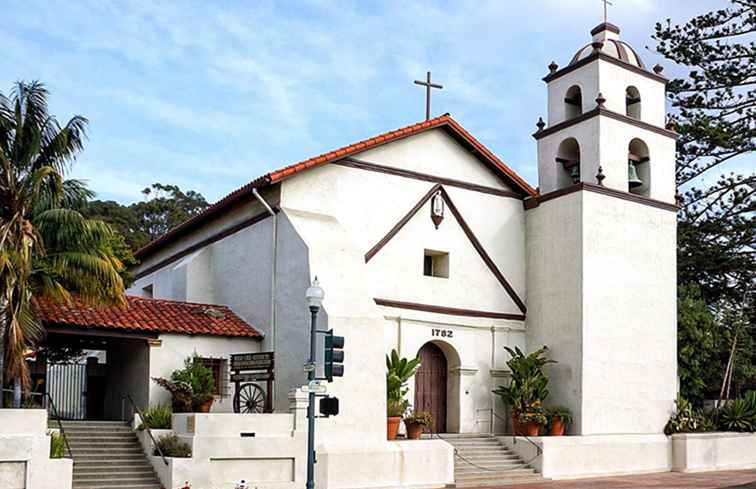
(555,305)
(174,348)
(25,461)
(603,298)
(699,452)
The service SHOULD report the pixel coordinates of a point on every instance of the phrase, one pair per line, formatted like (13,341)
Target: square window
(219,367)
(436,264)
(147,291)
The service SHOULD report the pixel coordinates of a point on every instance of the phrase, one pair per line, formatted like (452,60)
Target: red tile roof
(445,121)
(148,315)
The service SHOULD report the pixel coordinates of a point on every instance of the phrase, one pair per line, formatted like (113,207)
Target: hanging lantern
(632,175)
(437,209)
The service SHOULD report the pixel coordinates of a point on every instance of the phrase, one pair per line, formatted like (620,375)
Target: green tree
(696,343)
(715,116)
(714,112)
(47,248)
(164,207)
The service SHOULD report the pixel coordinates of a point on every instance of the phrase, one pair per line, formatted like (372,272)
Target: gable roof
(446,122)
(148,315)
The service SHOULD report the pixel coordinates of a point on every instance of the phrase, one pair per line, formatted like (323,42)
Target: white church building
(426,242)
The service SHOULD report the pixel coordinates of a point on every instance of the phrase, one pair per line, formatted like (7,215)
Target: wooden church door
(430,385)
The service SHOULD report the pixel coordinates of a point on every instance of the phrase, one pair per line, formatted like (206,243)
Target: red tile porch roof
(148,315)
(445,121)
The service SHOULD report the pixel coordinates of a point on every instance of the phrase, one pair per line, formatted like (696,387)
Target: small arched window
(638,168)
(633,103)
(568,161)
(573,102)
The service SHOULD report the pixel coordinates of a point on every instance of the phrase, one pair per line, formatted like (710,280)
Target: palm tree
(47,248)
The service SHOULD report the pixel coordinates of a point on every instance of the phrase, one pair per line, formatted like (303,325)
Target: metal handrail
(146,426)
(55,414)
(539,450)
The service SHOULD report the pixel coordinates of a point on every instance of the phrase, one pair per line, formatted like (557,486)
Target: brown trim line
(468,232)
(101,332)
(212,239)
(592,187)
(451,311)
(399,225)
(366,165)
(598,111)
(605,26)
(605,57)
(482,252)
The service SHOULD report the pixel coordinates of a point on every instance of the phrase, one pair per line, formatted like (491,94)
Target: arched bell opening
(568,162)
(638,168)
(633,103)
(573,102)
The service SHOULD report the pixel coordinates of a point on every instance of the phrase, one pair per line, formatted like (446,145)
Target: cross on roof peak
(428,86)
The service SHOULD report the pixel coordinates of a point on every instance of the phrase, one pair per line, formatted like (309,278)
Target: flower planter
(414,430)
(392,426)
(525,429)
(205,406)
(557,427)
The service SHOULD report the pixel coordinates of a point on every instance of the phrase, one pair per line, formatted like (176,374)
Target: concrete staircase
(108,455)
(481,460)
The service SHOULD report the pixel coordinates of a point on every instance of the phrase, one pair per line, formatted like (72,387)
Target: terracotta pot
(392,426)
(414,430)
(516,425)
(205,406)
(557,427)
(531,429)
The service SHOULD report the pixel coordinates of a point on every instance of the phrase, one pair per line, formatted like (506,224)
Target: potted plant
(416,423)
(559,418)
(527,390)
(191,387)
(398,372)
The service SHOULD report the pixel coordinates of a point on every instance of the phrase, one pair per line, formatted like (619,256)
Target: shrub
(529,385)
(560,412)
(171,446)
(687,419)
(398,372)
(57,445)
(157,417)
(423,418)
(196,375)
(739,414)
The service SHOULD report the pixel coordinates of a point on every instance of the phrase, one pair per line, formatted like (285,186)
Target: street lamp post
(314,296)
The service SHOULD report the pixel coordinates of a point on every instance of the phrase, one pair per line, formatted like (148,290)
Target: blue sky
(209,95)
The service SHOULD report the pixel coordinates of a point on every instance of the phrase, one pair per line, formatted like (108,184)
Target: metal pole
(311,405)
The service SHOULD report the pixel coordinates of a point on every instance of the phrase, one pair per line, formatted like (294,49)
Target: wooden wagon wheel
(250,398)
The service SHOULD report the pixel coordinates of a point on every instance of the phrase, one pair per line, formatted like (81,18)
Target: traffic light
(334,356)
(329,406)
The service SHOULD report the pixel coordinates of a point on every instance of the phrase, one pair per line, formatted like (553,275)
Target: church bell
(632,175)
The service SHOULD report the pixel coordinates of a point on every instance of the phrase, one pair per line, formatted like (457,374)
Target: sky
(208,95)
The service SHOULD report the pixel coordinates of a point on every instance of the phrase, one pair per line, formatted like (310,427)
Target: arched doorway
(430,385)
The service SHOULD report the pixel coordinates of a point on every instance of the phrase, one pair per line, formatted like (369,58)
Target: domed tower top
(606,41)
(606,122)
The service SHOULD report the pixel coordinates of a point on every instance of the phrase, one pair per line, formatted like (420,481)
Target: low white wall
(25,461)
(698,452)
(567,457)
(399,464)
(269,451)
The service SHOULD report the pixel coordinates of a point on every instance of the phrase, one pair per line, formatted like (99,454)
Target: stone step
(108,453)
(499,482)
(94,485)
(478,446)
(100,434)
(105,458)
(117,481)
(463,467)
(478,473)
(148,474)
(105,467)
(104,445)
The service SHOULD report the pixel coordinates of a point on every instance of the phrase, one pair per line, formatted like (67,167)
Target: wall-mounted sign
(442,333)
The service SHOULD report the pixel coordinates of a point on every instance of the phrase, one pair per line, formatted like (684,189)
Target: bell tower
(601,239)
(607,110)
